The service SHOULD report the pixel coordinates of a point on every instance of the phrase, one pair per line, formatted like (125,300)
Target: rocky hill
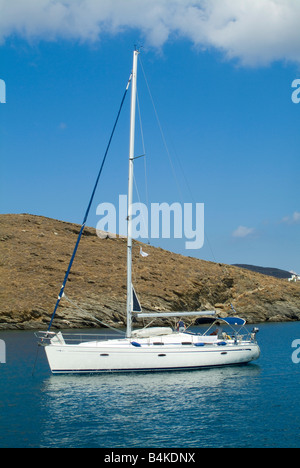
(35,252)
(276,272)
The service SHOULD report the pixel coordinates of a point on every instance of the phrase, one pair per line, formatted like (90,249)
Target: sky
(220,127)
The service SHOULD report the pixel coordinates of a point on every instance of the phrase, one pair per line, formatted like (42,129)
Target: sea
(254,406)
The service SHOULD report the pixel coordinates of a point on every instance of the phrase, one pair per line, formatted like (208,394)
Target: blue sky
(223,95)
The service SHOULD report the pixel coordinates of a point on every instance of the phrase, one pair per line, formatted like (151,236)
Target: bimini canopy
(233,320)
(229,320)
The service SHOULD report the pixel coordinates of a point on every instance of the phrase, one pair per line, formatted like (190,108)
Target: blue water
(252,406)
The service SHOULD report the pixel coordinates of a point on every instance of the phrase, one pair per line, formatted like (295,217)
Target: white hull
(123,356)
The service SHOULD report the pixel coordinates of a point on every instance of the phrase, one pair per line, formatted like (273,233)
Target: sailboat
(150,348)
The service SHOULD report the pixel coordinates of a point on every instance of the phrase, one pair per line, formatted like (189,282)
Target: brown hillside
(35,252)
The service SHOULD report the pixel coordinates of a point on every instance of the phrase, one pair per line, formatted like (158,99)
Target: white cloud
(62,126)
(243,231)
(294,219)
(256,32)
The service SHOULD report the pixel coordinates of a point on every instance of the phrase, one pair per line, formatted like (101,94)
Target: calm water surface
(252,406)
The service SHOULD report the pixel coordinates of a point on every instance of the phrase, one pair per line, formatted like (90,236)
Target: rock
(220,306)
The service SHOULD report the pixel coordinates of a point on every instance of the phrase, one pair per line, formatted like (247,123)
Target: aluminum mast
(130,191)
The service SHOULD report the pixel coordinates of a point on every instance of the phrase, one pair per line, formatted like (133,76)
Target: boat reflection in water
(171,410)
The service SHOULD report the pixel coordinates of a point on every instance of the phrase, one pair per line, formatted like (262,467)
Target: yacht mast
(130,192)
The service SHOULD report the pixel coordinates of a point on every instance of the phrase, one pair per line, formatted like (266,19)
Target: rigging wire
(145,223)
(161,132)
(144,153)
(146,227)
(89,206)
(222,266)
